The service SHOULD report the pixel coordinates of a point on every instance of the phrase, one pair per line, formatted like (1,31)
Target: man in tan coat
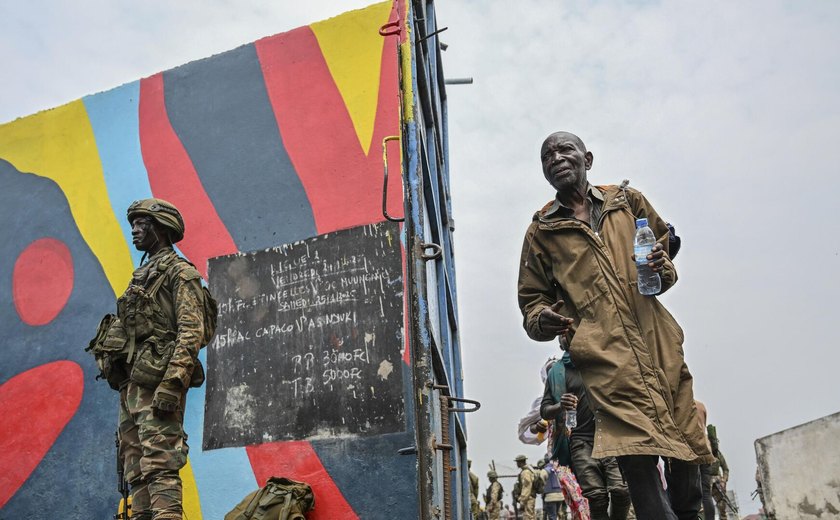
(577,280)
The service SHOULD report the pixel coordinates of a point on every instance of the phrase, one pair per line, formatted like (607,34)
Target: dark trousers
(651,502)
(708,503)
(600,481)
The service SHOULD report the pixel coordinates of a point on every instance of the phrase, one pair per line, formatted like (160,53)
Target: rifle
(122,484)
(722,492)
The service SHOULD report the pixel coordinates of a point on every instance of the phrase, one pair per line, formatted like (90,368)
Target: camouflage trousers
(153,450)
(527,509)
(720,501)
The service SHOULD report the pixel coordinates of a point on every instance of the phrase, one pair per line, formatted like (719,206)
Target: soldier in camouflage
(527,494)
(718,475)
(474,509)
(162,318)
(493,497)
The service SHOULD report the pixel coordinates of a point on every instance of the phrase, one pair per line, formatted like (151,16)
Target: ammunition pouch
(109,349)
(198,376)
(137,310)
(151,361)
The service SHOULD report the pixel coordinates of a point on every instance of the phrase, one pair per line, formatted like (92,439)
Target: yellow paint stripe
(352,48)
(191,504)
(407,82)
(59,144)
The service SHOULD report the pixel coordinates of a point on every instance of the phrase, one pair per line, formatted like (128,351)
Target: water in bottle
(648,281)
(571,419)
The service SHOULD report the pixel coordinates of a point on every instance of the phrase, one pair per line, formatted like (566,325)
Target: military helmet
(521,458)
(492,474)
(162,212)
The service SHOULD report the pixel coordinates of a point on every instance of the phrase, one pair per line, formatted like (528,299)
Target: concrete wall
(275,141)
(800,470)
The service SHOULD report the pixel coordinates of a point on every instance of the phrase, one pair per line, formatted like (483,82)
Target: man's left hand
(165,401)
(656,258)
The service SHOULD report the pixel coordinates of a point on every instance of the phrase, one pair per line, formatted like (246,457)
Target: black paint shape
(220,109)
(309,341)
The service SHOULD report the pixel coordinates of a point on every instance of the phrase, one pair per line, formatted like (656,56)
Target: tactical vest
(139,342)
(147,313)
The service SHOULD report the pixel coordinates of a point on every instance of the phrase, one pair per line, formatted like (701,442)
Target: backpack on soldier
(280,499)
(538,487)
(211,314)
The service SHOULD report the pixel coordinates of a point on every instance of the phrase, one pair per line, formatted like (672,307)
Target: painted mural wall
(273,142)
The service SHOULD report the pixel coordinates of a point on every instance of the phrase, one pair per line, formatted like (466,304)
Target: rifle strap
(131,341)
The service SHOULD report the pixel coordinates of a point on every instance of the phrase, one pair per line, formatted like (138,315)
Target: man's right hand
(552,322)
(539,427)
(569,401)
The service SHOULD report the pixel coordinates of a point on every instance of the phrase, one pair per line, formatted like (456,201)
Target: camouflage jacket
(180,298)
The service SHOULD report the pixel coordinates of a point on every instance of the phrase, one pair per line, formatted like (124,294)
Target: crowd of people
(640,446)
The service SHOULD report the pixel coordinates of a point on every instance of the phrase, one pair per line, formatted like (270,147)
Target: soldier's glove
(166,400)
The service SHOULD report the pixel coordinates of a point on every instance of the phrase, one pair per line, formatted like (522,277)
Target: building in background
(799,470)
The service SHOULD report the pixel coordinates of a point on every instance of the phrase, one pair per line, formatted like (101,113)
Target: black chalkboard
(309,340)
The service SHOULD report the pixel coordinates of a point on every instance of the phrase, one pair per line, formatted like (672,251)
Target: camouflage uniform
(493,499)
(527,499)
(717,473)
(153,444)
(474,509)
(719,483)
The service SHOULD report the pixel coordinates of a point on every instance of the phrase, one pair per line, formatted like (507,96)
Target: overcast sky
(725,114)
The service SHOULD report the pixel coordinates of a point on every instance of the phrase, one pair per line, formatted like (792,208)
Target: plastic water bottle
(571,419)
(648,281)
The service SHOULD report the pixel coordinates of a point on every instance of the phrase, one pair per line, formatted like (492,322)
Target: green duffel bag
(280,499)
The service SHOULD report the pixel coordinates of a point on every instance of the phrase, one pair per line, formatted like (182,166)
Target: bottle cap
(641,222)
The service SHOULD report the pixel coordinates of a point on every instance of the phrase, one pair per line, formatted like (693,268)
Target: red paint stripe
(344,185)
(173,177)
(297,460)
(34,415)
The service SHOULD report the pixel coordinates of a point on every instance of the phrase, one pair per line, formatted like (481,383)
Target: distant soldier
(150,356)
(474,509)
(554,506)
(493,497)
(718,472)
(527,493)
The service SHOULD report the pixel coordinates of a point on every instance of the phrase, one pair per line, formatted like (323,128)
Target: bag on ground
(280,499)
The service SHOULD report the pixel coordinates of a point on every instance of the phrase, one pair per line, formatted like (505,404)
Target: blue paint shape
(223,476)
(114,116)
(220,110)
(77,476)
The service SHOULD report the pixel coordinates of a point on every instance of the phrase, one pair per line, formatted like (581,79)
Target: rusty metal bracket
(390,28)
(441,446)
(437,251)
(424,38)
(411,450)
(385,182)
(463,400)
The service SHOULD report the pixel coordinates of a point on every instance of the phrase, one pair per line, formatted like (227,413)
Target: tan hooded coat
(627,347)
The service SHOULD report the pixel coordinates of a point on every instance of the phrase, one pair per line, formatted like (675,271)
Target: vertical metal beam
(418,333)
